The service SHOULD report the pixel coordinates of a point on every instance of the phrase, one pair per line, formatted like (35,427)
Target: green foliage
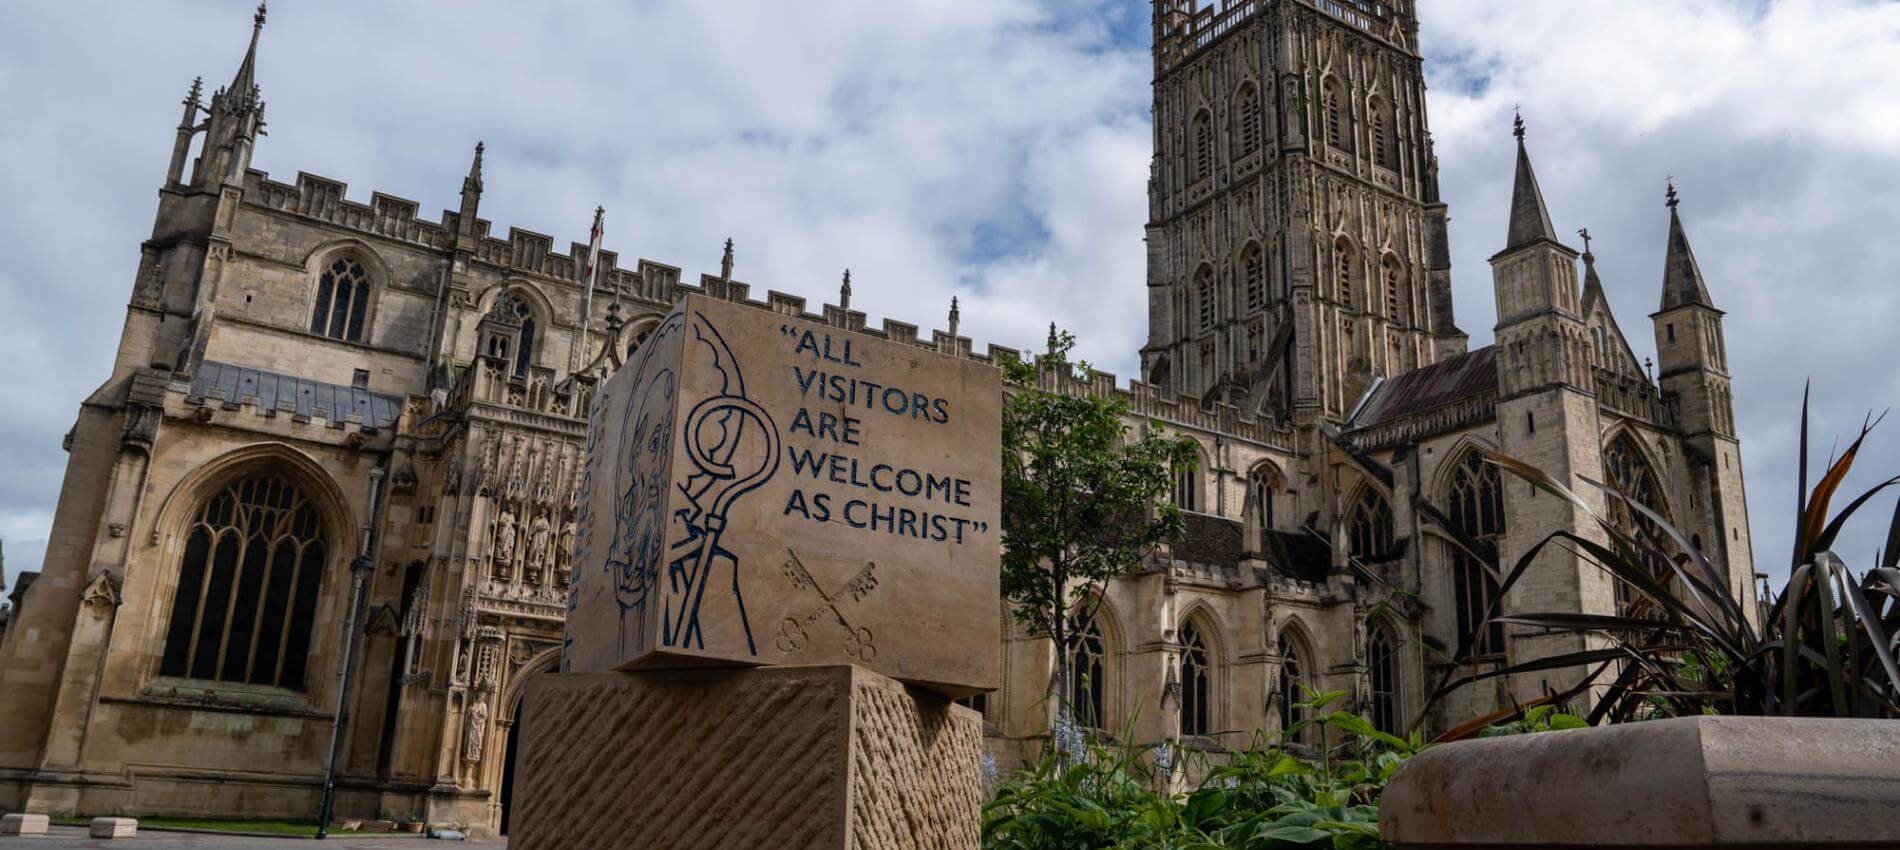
(1081,500)
(1264,797)
(1543,718)
(1823,648)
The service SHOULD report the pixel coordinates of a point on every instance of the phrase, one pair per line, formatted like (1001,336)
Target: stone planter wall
(1731,782)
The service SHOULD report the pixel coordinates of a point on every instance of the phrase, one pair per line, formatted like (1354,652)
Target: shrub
(1087,794)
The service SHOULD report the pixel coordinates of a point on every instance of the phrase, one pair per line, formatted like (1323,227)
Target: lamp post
(359,574)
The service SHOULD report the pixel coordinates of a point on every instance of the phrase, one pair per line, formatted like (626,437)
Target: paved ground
(73,837)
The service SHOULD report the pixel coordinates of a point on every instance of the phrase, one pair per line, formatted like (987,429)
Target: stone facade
(303,378)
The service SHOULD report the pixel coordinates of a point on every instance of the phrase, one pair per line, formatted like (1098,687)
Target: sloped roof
(299,396)
(1429,387)
(1299,555)
(1210,540)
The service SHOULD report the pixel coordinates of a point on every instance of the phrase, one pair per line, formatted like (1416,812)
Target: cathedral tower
(1693,370)
(1547,416)
(1296,243)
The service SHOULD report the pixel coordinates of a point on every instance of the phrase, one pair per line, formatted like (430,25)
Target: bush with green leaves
(1086,794)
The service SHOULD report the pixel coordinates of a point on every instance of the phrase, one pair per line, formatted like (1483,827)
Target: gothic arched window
(517,306)
(1260,487)
(1203,131)
(1630,473)
(342,299)
(1343,261)
(1383,126)
(1087,670)
(1247,104)
(1204,297)
(1292,687)
(1187,487)
(1383,671)
(1196,676)
(1253,273)
(1369,527)
(1338,119)
(1394,288)
(246,601)
(1477,509)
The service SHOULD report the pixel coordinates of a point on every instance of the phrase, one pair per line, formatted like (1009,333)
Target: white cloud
(995,149)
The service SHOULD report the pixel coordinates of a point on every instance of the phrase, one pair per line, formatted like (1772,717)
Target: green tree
(1081,500)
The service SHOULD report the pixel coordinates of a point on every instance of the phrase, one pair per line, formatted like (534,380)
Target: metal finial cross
(258,20)
(1517,123)
(1585,233)
(1674,198)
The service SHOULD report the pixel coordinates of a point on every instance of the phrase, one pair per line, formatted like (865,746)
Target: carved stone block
(764,490)
(794,758)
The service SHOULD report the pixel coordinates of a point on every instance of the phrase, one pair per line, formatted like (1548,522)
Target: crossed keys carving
(792,636)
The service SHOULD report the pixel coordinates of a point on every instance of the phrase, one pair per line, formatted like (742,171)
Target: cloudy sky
(992,149)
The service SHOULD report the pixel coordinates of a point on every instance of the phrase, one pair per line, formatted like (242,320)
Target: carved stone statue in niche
(564,552)
(505,537)
(475,731)
(538,543)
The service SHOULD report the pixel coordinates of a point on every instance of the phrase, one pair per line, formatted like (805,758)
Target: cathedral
(313,393)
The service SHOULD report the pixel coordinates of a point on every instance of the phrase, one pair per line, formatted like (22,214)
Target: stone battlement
(392,217)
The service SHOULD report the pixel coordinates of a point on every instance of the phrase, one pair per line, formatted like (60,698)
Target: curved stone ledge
(1732,782)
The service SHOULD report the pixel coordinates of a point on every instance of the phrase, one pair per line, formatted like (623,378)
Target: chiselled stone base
(1693,782)
(798,758)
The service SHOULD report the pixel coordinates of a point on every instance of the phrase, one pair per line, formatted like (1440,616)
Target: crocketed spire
(1530,219)
(1682,277)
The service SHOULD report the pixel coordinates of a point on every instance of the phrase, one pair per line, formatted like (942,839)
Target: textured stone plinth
(764,490)
(19,824)
(115,827)
(1732,782)
(798,758)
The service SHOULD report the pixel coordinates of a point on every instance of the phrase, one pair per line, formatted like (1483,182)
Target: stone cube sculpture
(765,490)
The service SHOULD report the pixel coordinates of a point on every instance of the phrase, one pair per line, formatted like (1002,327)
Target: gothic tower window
(1376,123)
(246,601)
(1477,509)
(1203,131)
(1369,527)
(1292,687)
(1394,287)
(1382,667)
(1087,670)
(1253,272)
(1247,104)
(1195,678)
(524,352)
(1343,260)
(342,299)
(1630,473)
(508,333)
(1338,122)
(1204,297)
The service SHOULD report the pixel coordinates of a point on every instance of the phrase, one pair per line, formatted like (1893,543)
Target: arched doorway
(515,732)
(514,725)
